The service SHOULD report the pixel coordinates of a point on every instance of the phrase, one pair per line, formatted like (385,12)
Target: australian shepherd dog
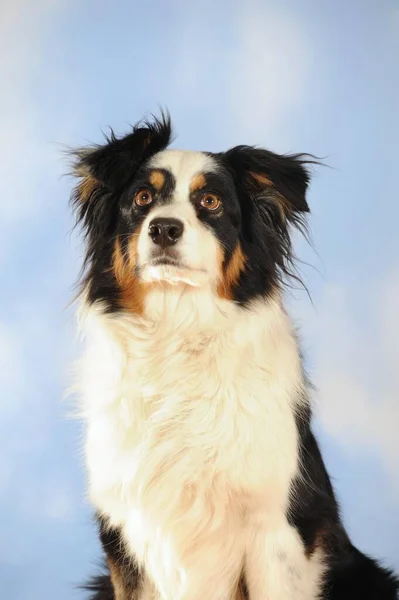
(206,478)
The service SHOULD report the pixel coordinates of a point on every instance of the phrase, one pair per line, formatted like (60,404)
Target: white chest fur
(190,422)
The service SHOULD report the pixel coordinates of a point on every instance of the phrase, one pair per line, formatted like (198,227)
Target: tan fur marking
(125,586)
(230,276)
(279,200)
(87,187)
(198,182)
(317,543)
(117,580)
(132,291)
(260,178)
(282,205)
(157,179)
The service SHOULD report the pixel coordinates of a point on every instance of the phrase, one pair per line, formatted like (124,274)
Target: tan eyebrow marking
(157,179)
(198,182)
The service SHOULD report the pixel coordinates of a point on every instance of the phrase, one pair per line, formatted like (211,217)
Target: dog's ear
(280,179)
(104,170)
(113,164)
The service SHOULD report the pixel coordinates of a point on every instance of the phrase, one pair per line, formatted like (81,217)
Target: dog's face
(183,211)
(160,217)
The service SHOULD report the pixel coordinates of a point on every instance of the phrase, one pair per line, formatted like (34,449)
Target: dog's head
(159,217)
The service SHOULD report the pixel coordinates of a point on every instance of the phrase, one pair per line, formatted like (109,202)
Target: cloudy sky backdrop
(314,76)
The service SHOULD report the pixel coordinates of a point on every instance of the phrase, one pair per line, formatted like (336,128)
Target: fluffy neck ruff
(192,328)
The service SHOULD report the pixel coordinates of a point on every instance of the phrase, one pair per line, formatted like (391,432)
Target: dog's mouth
(170,269)
(167,261)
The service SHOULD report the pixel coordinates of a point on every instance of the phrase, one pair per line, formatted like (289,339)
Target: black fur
(314,511)
(225,223)
(100,588)
(354,576)
(313,507)
(265,229)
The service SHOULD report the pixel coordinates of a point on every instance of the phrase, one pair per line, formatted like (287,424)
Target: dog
(203,470)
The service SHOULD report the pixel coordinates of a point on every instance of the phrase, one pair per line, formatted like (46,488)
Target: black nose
(165,232)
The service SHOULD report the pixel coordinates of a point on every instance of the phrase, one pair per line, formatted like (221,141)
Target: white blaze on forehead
(184,165)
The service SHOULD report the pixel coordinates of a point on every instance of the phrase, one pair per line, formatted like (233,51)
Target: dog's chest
(173,417)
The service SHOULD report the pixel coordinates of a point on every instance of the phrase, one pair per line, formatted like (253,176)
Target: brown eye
(210,201)
(143,197)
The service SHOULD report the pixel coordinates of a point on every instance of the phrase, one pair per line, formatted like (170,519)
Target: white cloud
(12,372)
(25,153)
(59,504)
(270,68)
(33,343)
(244,74)
(356,367)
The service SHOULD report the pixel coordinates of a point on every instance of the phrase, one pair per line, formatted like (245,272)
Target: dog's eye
(210,201)
(143,197)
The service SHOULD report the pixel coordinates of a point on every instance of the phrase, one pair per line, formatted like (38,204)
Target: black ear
(104,170)
(113,164)
(282,178)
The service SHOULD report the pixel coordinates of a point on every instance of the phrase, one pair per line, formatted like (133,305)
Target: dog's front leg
(276,564)
(208,569)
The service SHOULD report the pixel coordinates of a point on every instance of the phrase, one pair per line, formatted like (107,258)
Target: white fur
(276,566)
(198,248)
(191,443)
